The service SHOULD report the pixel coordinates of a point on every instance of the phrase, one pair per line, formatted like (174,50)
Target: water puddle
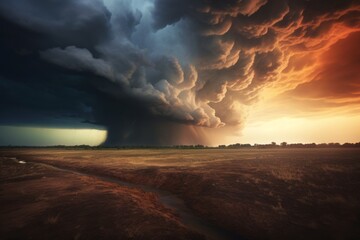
(15,160)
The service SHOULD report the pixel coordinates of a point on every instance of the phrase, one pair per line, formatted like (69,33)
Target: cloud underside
(147,70)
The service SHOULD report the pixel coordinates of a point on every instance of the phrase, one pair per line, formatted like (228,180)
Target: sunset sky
(165,72)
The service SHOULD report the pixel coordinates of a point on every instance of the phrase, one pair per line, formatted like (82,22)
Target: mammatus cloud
(161,65)
(334,87)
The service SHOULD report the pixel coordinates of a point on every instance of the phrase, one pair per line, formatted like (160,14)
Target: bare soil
(38,202)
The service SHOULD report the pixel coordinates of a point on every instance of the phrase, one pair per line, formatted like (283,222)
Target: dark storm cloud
(61,22)
(150,70)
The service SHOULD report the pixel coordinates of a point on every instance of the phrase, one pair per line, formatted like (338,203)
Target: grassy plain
(255,193)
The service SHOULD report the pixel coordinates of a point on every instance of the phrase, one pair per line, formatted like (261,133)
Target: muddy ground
(253,193)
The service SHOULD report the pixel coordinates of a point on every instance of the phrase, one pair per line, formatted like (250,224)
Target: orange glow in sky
(322,105)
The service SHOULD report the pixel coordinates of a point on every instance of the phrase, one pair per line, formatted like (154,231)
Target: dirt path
(168,199)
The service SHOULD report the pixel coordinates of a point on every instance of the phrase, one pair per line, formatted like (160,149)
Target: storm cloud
(156,71)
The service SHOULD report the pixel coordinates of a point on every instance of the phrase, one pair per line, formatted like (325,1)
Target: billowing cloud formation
(148,69)
(335,86)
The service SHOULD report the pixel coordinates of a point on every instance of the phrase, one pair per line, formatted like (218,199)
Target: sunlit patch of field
(258,193)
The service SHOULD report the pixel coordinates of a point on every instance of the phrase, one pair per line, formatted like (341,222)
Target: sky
(166,72)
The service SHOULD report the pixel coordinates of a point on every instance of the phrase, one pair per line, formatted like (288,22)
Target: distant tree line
(199,146)
(293,145)
(87,147)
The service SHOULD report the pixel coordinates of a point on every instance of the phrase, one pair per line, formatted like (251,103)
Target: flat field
(180,194)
